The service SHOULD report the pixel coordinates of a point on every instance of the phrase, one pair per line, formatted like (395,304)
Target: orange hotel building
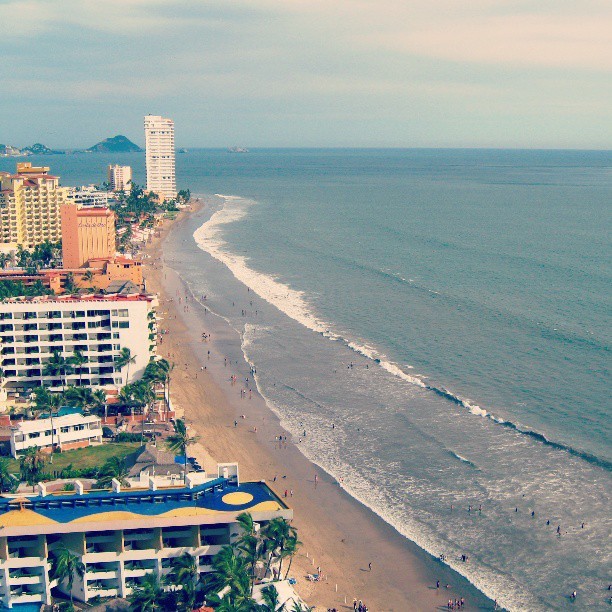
(87,233)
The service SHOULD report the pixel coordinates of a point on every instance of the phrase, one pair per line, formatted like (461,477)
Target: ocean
(437,322)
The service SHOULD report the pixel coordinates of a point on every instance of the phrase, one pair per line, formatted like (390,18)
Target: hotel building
(98,326)
(160,154)
(30,202)
(120,177)
(87,233)
(124,534)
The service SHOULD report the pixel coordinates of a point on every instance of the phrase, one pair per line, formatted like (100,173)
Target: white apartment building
(32,330)
(61,432)
(120,177)
(160,154)
(87,195)
(124,534)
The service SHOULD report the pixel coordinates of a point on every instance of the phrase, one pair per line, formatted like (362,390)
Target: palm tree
(278,532)
(249,544)
(186,574)
(82,397)
(4,259)
(180,440)
(290,549)
(149,595)
(271,603)
(98,401)
(114,467)
(58,366)
(31,464)
(69,284)
(6,480)
(229,571)
(125,358)
(78,360)
(67,567)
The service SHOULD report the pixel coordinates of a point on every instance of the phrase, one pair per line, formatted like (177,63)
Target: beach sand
(337,533)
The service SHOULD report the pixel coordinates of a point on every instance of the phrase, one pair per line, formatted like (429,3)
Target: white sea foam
(287,300)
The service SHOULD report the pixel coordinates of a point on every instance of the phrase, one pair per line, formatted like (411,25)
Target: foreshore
(338,534)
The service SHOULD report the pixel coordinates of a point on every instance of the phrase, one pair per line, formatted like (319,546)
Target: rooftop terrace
(221,495)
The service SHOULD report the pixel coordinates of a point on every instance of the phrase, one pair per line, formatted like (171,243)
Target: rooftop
(59,421)
(53,299)
(213,497)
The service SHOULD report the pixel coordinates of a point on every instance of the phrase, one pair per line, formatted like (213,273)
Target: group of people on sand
(359,606)
(455,604)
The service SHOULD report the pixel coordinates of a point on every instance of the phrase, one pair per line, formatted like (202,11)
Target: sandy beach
(338,534)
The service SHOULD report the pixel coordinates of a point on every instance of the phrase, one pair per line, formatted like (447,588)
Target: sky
(309,73)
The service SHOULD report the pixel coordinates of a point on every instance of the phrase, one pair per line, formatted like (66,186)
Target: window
(116,335)
(123,312)
(124,324)
(79,427)
(35,434)
(64,429)
(116,347)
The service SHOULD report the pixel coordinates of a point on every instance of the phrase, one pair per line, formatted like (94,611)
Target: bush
(124,436)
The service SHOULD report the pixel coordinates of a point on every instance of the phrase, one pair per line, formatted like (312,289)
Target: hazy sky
(533,73)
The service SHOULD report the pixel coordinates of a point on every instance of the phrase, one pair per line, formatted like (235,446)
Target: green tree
(229,571)
(58,366)
(31,464)
(249,544)
(81,397)
(114,467)
(67,567)
(98,401)
(78,360)
(125,358)
(180,440)
(271,602)
(278,532)
(186,575)
(7,482)
(69,284)
(149,595)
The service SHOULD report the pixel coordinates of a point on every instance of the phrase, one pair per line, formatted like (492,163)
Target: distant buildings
(122,535)
(120,177)
(98,326)
(87,233)
(160,155)
(62,433)
(30,202)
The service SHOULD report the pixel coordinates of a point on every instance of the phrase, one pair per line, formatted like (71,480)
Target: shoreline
(340,533)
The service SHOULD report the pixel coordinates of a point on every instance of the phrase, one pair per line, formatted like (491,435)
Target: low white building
(62,432)
(99,327)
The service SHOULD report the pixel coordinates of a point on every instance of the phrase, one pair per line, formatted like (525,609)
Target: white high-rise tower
(159,140)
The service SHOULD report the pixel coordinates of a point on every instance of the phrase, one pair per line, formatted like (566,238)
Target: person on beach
(235,423)
(370,566)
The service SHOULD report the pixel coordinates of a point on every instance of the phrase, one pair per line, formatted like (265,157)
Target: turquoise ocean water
(448,311)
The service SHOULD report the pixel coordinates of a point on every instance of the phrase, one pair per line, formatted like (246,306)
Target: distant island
(40,149)
(116,144)
(35,149)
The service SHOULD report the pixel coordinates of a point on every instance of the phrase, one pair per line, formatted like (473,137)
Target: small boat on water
(238,150)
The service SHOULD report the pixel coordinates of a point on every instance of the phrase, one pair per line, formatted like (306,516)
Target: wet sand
(337,532)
